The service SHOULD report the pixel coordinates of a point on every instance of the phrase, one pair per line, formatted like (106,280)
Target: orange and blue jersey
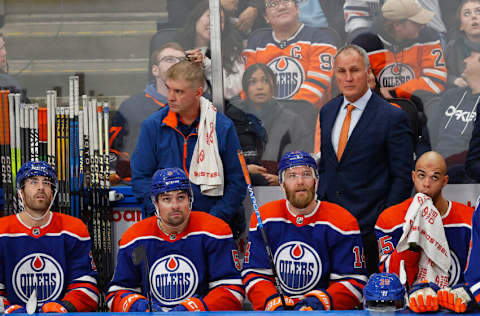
(201,261)
(54,259)
(322,250)
(303,64)
(472,273)
(457,223)
(416,66)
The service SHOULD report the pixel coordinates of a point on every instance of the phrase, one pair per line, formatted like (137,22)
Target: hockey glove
(314,300)
(14,309)
(458,299)
(274,303)
(53,307)
(192,304)
(133,303)
(423,297)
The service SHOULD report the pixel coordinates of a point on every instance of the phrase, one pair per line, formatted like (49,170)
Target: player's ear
(155,70)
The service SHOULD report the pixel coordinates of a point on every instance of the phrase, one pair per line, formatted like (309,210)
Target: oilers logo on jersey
(41,272)
(173,278)
(289,74)
(395,74)
(298,266)
(455,269)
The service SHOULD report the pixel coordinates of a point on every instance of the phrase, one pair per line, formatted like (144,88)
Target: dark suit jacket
(375,169)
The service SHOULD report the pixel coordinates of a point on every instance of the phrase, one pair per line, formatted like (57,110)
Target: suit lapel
(330,121)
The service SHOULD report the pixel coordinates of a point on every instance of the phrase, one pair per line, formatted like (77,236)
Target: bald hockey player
(316,246)
(45,256)
(179,260)
(429,178)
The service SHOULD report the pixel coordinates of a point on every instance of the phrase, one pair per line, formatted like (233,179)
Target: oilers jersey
(472,273)
(322,250)
(200,261)
(457,223)
(55,260)
(303,64)
(416,65)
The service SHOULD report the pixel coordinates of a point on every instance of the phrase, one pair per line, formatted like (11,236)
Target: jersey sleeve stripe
(319,75)
(259,271)
(352,289)
(86,278)
(225,282)
(475,287)
(238,296)
(389,230)
(115,288)
(252,283)
(316,82)
(93,296)
(435,72)
(432,85)
(335,276)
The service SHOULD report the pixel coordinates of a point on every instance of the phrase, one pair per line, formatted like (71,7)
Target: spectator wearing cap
(406,56)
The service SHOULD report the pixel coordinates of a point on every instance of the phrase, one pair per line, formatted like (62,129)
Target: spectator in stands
(406,56)
(322,13)
(472,164)
(451,120)
(287,130)
(246,12)
(136,109)
(196,34)
(466,41)
(300,56)
(365,16)
(429,177)
(366,146)
(8,82)
(190,134)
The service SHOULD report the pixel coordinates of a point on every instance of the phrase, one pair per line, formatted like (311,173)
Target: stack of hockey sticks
(74,140)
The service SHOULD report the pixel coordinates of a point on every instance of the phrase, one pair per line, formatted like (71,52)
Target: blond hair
(187,71)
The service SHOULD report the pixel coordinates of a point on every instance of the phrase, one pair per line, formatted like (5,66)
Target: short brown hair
(187,71)
(156,53)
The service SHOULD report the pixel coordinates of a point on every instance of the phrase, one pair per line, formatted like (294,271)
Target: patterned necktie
(342,141)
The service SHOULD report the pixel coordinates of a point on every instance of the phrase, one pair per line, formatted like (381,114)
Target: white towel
(206,168)
(424,226)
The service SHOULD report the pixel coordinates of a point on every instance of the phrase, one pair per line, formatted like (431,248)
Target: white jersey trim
(389,230)
(259,271)
(335,276)
(224,282)
(352,289)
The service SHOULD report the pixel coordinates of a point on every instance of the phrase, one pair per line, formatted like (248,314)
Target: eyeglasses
(171,59)
(292,176)
(276,3)
(34,182)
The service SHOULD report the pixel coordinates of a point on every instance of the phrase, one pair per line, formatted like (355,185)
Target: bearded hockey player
(45,256)
(316,246)
(179,260)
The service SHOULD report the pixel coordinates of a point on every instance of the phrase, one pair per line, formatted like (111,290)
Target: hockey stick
(241,158)
(32,302)
(138,255)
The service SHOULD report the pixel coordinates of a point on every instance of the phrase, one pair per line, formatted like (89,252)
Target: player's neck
(34,218)
(286,32)
(441,204)
(169,230)
(189,116)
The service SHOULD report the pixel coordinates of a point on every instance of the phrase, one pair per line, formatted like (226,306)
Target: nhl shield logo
(41,272)
(289,75)
(395,74)
(298,266)
(173,279)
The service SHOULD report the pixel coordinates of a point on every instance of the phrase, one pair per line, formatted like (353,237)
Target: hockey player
(45,256)
(316,246)
(300,56)
(189,258)
(429,177)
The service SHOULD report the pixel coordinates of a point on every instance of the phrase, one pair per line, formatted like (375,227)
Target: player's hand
(53,307)
(386,93)
(314,300)
(131,302)
(274,303)
(192,304)
(14,309)
(458,299)
(194,55)
(423,297)
(460,82)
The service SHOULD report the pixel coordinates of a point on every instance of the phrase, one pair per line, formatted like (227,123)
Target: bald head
(430,175)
